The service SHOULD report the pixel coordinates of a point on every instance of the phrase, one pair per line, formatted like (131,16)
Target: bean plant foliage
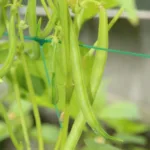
(60,73)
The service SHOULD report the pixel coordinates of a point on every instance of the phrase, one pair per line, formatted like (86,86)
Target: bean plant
(50,66)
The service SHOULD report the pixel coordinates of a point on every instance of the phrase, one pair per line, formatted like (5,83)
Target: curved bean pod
(80,120)
(48,27)
(46,8)
(32,22)
(12,46)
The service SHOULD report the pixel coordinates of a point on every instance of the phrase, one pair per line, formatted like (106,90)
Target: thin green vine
(32,98)
(46,8)
(115,19)
(22,117)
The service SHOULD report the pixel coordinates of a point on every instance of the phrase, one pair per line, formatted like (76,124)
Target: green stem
(75,133)
(9,127)
(58,143)
(51,5)
(35,107)
(115,19)
(46,9)
(22,117)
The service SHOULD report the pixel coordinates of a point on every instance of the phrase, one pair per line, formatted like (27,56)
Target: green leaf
(132,139)
(3,131)
(38,85)
(49,133)
(109,3)
(121,110)
(128,5)
(92,145)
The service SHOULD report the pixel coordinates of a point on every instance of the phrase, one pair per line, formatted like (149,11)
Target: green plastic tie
(116,51)
(43,41)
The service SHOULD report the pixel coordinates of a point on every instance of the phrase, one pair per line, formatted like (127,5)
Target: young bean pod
(63,11)
(32,22)
(12,45)
(48,28)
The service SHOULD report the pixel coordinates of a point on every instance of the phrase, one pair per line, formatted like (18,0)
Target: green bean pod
(32,22)
(63,11)
(101,56)
(80,87)
(52,20)
(12,46)
(48,28)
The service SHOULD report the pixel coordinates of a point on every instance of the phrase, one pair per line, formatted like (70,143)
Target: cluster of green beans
(96,77)
(81,88)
